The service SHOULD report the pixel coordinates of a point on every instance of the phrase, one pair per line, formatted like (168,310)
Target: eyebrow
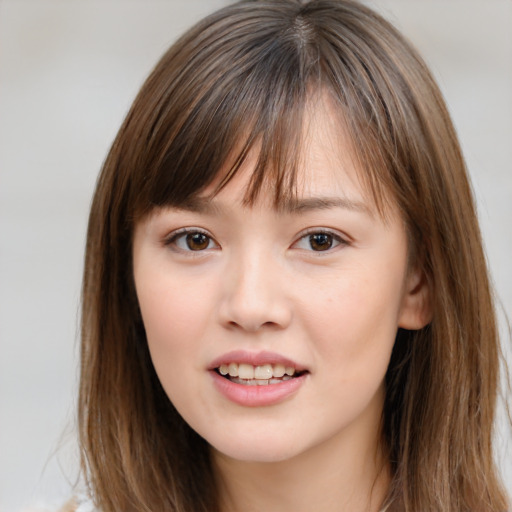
(208,206)
(307,204)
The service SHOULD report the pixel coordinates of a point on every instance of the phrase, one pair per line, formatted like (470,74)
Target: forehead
(327,159)
(326,166)
(316,152)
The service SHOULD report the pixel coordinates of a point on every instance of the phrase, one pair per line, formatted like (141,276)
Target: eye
(191,240)
(319,241)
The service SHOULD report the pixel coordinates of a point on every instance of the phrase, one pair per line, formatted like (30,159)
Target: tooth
(246,371)
(223,369)
(262,382)
(263,372)
(233,370)
(289,371)
(278,370)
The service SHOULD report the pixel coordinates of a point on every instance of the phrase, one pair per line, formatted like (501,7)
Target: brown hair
(243,76)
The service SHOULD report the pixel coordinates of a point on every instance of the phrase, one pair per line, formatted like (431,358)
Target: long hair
(238,80)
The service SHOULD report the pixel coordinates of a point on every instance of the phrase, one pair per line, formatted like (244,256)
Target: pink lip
(254,358)
(256,396)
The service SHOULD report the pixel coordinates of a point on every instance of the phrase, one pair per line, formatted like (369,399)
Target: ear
(416,311)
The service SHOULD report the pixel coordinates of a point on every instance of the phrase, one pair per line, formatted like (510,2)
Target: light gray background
(68,72)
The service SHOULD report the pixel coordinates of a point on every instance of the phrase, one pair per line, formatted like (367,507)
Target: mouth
(257,379)
(261,375)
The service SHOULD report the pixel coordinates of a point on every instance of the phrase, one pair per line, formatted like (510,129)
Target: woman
(286,303)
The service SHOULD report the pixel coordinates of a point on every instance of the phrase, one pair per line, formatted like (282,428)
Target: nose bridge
(254,295)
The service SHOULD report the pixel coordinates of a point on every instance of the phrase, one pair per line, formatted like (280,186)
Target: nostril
(252,298)
(253,326)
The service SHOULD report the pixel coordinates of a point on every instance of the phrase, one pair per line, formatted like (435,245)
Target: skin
(258,284)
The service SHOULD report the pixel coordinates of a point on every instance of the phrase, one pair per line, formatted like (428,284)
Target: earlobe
(416,311)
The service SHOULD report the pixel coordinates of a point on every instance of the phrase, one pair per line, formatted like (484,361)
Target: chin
(256,450)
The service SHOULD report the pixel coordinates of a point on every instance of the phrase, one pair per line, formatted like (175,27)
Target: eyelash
(173,238)
(337,239)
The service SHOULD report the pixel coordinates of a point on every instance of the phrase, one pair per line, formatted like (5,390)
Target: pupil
(320,241)
(197,241)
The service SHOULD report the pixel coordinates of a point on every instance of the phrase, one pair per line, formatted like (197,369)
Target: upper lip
(255,359)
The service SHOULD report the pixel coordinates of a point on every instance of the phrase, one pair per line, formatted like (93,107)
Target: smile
(262,375)
(257,379)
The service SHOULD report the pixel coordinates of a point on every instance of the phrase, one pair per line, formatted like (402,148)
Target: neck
(341,475)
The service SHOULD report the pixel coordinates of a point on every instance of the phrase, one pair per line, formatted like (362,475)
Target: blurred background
(69,70)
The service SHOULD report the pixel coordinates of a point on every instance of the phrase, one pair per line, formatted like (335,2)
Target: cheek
(174,317)
(355,324)
(175,314)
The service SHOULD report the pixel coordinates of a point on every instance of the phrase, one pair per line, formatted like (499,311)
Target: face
(271,331)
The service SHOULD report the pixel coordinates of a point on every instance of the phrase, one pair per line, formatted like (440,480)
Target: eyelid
(170,239)
(342,239)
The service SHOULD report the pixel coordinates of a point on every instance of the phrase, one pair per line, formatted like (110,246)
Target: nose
(254,295)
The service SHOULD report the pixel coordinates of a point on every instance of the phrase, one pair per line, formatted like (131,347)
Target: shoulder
(78,504)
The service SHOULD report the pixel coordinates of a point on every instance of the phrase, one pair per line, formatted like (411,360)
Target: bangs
(208,122)
(241,84)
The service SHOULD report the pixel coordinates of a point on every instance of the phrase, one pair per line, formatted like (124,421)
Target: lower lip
(257,396)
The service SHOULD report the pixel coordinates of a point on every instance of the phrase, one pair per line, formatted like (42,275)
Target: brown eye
(197,241)
(190,240)
(321,241)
